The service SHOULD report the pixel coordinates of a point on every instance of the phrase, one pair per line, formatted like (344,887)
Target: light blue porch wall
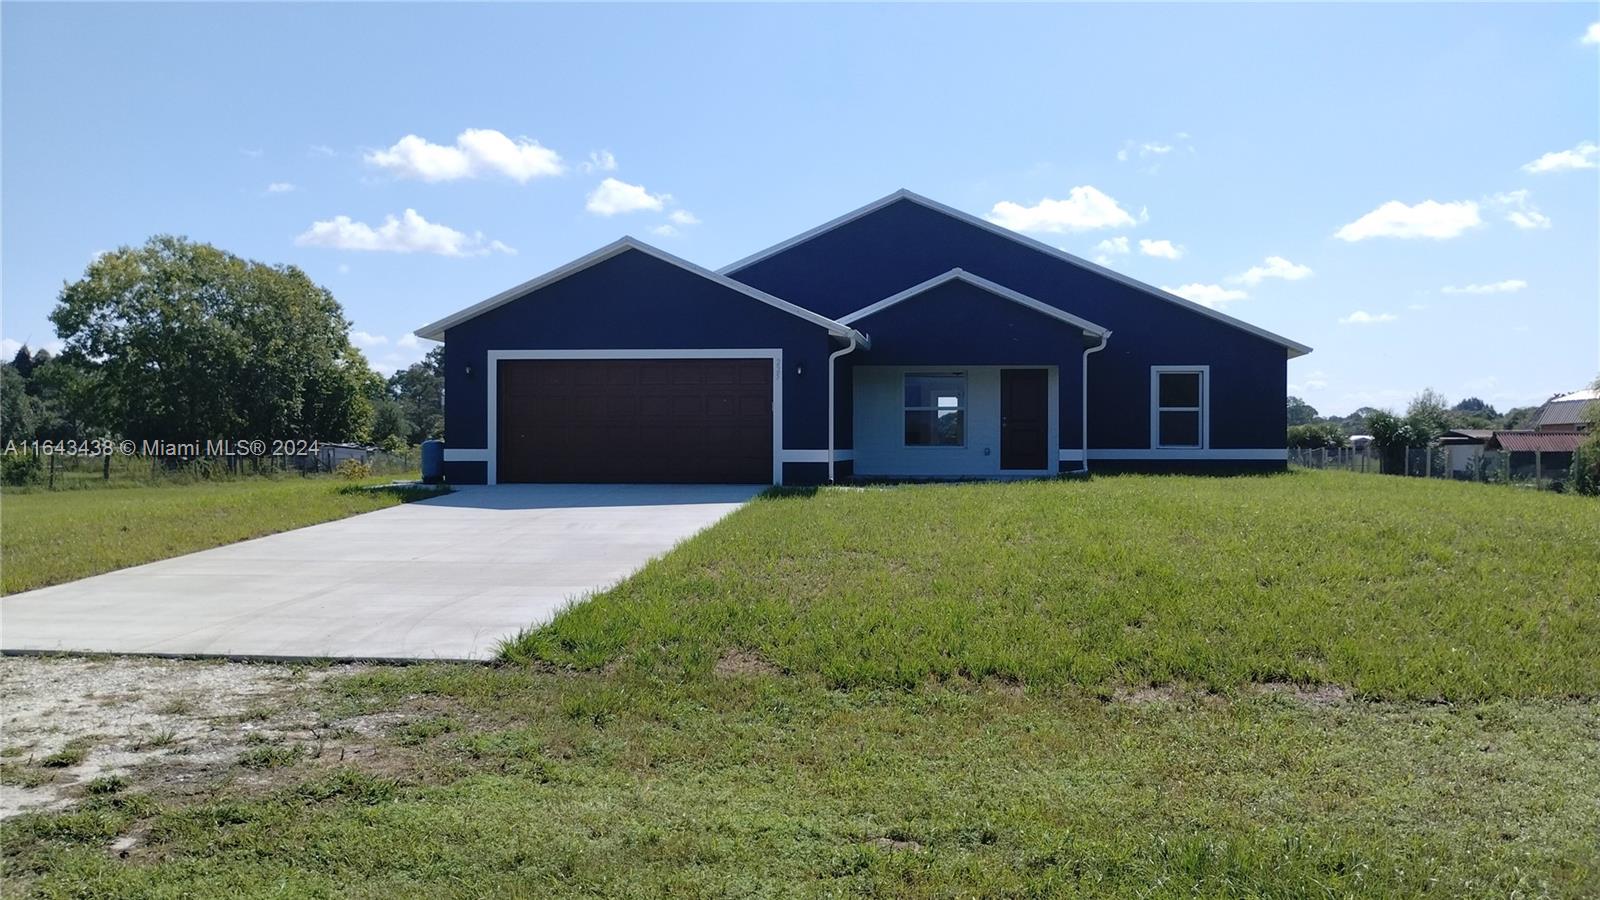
(879,426)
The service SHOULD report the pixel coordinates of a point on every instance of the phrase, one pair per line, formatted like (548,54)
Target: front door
(1024,419)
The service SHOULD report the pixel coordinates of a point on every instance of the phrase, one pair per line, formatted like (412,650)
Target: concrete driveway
(439,579)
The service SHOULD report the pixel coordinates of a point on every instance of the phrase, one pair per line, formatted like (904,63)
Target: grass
(1397,588)
(769,785)
(959,707)
(51,537)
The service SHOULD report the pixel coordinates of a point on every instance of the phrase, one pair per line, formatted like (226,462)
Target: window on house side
(936,410)
(1180,408)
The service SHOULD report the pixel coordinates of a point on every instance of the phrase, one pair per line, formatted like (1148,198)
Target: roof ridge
(1295,348)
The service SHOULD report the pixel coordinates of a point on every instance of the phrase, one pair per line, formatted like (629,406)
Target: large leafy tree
(419,390)
(179,340)
(1301,412)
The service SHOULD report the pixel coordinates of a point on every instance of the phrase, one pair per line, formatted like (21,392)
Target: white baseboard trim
(1213,454)
(817,456)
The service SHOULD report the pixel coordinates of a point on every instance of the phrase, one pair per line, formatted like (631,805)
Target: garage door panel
(647,420)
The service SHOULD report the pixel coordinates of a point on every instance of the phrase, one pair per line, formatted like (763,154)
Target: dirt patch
(744,662)
(192,720)
(1309,694)
(888,843)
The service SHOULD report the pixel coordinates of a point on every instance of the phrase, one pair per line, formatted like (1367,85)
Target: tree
(1301,412)
(23,362)
(1585,473)
(419,389)
(19,412)
(1316,436)
(183,341)
(1392,436)
(389,425)
(1428,414)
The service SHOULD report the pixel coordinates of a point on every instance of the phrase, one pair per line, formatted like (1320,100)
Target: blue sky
(1409,189)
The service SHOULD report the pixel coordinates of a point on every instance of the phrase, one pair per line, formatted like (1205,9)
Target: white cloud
(477,152)
(1275,267)
(1154,148)
(410,233)
(1086,208)
(408,341)
(10,346)
(280,187)
(1428,219)
(1592,35)
(600,161)
(365,340)
(664,231)
(322,150)
(1584,156)
(1112,245)
(1521,213)
(344,268)
(683,217)
(1509,286)
(1529,219)
(1362,317)
(613,197)
(1214,296)
(1161,249)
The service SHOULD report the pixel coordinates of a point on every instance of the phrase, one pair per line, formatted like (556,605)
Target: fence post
(1538,470)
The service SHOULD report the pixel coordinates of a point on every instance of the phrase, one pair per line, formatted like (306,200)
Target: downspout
(832,357)
(1083,435)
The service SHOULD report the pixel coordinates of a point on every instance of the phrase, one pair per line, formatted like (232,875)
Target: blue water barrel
(432,462)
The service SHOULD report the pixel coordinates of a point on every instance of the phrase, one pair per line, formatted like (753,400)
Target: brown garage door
(635,420)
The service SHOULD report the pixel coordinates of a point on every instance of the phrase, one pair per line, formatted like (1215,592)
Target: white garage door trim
(776,355)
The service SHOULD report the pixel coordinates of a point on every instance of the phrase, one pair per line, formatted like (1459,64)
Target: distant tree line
(177,340)
(1427,416)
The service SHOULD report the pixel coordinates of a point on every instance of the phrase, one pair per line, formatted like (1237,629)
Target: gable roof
(434,331)
(1294,348)
(978,281)
(1567,409)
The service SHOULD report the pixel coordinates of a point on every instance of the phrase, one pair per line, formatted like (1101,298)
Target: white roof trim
(434,331)
(1295,348)
(977,281)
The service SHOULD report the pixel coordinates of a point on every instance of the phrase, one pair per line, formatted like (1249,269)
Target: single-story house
(1568,412)
(1464,447)
(905,339)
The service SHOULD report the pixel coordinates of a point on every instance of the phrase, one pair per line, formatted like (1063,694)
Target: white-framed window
(935,409)
(1180,407)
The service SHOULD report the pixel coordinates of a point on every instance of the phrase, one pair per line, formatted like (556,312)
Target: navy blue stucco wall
(960,324)
(905,243)
(633,301)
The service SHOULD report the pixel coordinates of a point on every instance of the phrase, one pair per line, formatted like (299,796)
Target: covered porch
(965,378)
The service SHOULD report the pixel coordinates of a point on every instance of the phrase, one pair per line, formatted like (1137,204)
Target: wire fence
(1549,471)
(62,471)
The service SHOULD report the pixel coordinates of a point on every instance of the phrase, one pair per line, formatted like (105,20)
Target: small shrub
(65,758)
(271,757)
(1585,472)
(107,784)
(353,470)
(20,469)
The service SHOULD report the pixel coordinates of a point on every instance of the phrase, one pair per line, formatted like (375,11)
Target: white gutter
(1083,436)
(851,337)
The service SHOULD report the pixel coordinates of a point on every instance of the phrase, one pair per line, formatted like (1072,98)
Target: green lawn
(943,691)
(1397,588)
(47,537)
